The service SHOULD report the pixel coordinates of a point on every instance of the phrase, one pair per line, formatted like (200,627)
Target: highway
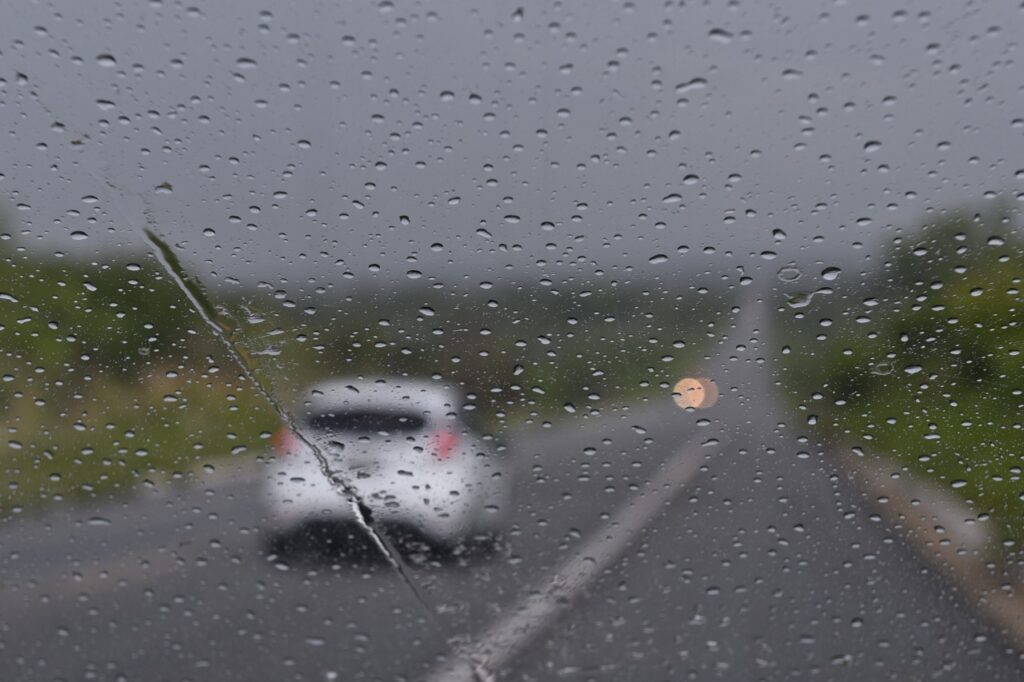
(645,543)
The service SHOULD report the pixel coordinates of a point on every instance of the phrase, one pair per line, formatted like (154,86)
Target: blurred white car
(404,446)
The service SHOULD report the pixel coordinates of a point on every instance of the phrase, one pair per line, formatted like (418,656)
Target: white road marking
(542,606)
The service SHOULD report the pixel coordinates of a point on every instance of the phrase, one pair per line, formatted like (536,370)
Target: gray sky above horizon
(322,143)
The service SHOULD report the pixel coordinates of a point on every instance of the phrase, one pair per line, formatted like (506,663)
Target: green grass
(115,435)
(931,372)
(967,445)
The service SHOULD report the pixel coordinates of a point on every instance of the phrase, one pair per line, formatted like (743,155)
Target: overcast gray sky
(566,139)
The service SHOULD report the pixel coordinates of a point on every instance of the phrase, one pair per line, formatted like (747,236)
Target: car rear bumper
(292,499)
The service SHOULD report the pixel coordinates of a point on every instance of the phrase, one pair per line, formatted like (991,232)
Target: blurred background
(561,210)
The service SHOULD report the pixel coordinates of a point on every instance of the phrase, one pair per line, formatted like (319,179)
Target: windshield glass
(698,327)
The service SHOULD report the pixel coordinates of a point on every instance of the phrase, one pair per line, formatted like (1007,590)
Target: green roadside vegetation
(920,360)
(111,379)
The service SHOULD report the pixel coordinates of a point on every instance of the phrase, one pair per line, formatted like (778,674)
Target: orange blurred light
(696,392)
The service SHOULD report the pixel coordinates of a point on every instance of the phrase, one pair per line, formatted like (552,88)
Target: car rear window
(366,421)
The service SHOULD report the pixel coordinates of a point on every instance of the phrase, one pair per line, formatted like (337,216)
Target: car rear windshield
(366,421)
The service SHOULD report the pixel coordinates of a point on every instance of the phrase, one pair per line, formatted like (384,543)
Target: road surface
(756,560)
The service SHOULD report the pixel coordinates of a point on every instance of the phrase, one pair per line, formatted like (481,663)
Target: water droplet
(829,274)
(658,258)
(164,188)
(789,273)
(79,235)
(691,85)
(672,199)
(800,300)
(882,368)
(106,60)
(720,35)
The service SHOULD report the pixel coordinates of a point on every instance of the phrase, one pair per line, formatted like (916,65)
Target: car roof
(419,396)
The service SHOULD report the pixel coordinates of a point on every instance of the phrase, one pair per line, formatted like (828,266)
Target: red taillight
(286,442)
(444,443)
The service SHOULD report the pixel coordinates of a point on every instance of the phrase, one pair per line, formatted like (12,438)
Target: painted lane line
(543,605)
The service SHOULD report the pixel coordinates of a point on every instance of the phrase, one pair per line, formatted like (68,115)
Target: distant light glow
(696,392)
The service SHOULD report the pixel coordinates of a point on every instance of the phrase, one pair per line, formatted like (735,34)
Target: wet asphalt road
(766,565)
